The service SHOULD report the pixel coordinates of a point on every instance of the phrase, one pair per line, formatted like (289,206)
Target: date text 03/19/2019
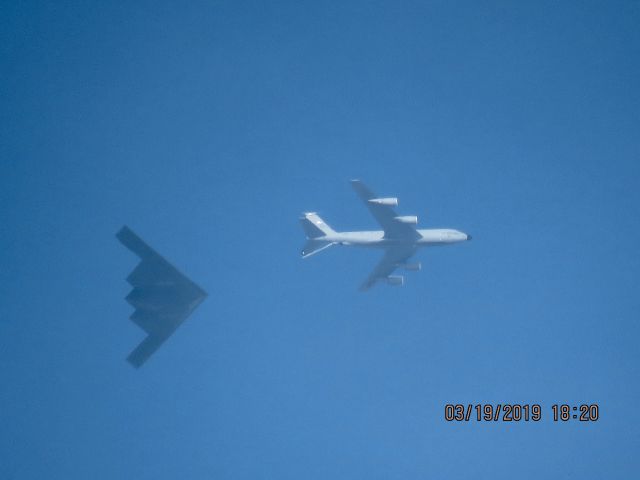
(516,412)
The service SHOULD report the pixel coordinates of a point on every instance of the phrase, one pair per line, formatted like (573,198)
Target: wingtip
(134,364)
(122,231)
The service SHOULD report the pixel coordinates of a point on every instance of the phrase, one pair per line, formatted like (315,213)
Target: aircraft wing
(163,297)
(384,214)
(392,258)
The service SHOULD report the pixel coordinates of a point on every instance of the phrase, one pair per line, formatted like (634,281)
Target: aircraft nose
(469,237)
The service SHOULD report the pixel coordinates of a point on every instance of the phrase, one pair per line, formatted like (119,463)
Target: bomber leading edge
(399,237)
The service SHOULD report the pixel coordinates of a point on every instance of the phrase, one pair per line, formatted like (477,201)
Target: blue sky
(208,127)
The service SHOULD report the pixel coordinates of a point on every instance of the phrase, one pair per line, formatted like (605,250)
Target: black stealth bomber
(162,296)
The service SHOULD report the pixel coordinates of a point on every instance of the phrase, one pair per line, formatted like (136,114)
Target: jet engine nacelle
(395,280)
(391,202)
(410,219)
(412,267)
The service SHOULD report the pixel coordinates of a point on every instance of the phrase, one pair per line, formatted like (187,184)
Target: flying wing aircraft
(399,236)
(163,297)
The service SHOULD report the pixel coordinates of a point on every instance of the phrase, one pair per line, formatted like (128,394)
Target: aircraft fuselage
(428,237)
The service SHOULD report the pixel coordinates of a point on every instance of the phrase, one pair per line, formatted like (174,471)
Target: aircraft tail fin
(314,246)
(314,227)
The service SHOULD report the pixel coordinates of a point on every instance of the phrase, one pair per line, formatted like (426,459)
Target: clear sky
(208,127)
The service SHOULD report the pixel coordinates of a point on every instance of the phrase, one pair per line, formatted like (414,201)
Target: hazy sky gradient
(209,127)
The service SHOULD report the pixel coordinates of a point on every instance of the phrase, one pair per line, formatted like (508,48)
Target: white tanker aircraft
(399,237)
